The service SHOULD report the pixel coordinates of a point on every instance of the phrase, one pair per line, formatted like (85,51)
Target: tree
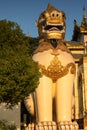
(19,74)
(34,42)
(4,125)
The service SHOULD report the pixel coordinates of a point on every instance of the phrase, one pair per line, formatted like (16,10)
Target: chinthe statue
(52,101)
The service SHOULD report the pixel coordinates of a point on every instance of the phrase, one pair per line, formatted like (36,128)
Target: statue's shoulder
(63,46)
(43,46)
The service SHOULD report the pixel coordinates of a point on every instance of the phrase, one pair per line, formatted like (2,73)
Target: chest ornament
(56,70)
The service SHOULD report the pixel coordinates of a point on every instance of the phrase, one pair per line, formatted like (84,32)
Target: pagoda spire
(84,14)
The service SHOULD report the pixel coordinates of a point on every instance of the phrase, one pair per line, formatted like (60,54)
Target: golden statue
(53,97)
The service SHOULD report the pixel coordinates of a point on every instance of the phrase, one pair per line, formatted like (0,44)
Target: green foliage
(5,126)
(10,33)
(33,44)
(19,74)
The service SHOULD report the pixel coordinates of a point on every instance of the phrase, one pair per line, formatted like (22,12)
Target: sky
(26,12)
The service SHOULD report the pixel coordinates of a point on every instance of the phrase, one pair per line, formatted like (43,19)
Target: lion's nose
(54,14)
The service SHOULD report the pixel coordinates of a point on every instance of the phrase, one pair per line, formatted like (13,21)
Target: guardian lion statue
(53,97)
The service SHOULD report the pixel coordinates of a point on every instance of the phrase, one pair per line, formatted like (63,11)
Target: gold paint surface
(55,70)
(51,23)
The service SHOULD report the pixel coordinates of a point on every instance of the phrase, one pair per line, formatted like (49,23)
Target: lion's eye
(53,15)
(57,15)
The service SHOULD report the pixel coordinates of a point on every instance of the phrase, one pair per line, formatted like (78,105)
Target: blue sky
(26,12)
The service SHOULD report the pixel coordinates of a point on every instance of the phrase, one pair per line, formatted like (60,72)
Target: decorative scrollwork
(55,70)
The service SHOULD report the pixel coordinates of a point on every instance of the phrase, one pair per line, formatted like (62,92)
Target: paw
(30,126)
(49,125)
(67,125)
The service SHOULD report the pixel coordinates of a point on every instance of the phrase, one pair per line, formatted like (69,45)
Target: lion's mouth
(53,28)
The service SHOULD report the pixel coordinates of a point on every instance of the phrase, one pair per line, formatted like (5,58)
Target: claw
(54,126)
(45,125)
(50,125)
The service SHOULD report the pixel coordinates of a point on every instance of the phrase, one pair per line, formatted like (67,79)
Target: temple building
(78,47)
